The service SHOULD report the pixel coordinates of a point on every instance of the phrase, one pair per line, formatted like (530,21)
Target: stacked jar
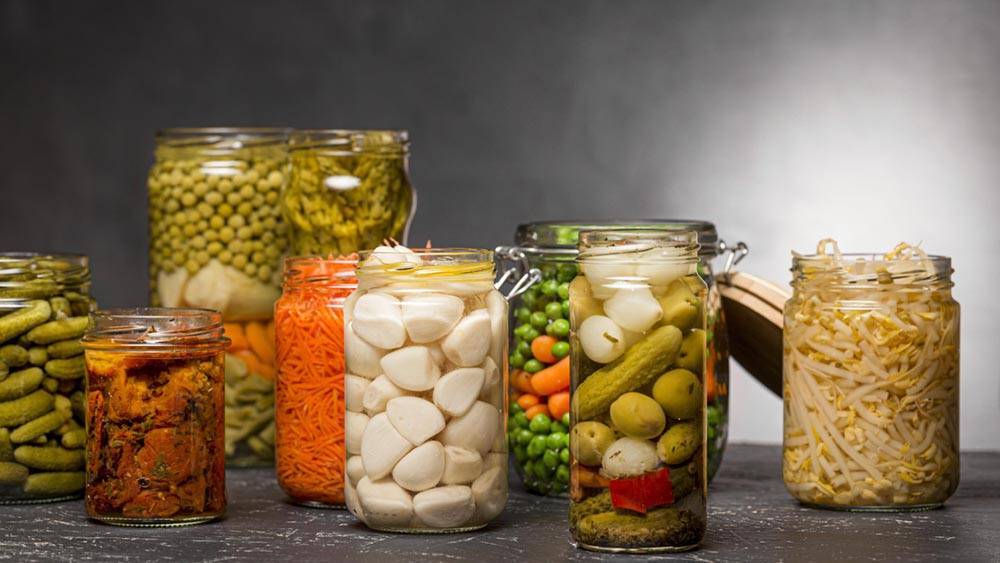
(44,307)
(426,335)
(217,238)
(309,395)
(155,417)
(871,380)
(539,344)
(638,406)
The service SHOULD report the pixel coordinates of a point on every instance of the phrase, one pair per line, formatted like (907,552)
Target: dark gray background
(782,121)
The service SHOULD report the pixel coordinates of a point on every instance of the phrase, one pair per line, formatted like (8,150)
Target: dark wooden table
(751,519)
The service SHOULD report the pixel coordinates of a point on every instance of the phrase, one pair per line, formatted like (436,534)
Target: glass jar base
(457,530)
(319,504)
(901,508)
(646,550)
(155,522)
(28,500)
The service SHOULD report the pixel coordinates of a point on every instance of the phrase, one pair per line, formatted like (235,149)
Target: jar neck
(26,275)
(426,266)
(156,329)
(219,141)
(324,275)
(346,142)
(907,271)
(638,246)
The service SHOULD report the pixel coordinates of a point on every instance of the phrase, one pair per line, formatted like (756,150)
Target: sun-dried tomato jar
(155,406)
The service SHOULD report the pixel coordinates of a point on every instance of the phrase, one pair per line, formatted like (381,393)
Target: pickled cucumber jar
(217,238)
(155,433)
(348,190)
(44,307)
(426,445)
(871,380)
(540,265)
(638,427)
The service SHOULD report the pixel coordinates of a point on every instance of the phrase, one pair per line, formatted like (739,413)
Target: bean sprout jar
(426,348)
(871,380)
(637,439)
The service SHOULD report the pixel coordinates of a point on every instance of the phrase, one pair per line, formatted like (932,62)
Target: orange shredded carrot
(309,392)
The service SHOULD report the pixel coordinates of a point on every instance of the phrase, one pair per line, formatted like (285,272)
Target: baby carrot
(541,348)
(259,342)
(536,410)
(521,380)
(559,404)
(239,338)
(552,379)
(527,401)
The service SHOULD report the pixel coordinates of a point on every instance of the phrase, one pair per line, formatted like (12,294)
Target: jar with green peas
(217,238)
(541,264)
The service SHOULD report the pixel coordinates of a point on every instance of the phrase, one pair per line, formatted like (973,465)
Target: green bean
(74,438)
(38,427)
(253,425)
(267,434)
(20,383)
(37,356)
(12,474)
(13,355)
(55,483)
(65,348)
(62,329)
(261,449)
(48,458)
(29,407)
(69,368)
(23,320)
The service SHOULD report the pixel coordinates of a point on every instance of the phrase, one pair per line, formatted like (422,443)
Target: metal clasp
(528,278)
(734,255)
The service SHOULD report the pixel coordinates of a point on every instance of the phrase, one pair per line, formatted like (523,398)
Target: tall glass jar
(44,307)
(637,435)
(155,429)
(349,190)
(549,249)
(871,380)
(217,238)
(311,383)
(426,335)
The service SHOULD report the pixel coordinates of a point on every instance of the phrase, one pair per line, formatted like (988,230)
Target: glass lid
(564,235)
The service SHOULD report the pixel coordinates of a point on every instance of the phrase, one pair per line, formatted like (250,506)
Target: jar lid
(564,235)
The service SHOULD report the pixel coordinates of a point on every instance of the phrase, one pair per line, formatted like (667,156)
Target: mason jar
(638,425)
(348,190)
(311,382)
(44,307)
(871,380)
(426,333)
(217,238)
(540,265)
(155,434)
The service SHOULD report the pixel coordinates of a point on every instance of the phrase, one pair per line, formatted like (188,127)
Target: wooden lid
(753,309)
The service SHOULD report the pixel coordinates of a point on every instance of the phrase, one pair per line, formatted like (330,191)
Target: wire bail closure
(530,277)
(734,255)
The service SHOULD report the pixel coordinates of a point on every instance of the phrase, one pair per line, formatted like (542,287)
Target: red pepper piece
(643,493)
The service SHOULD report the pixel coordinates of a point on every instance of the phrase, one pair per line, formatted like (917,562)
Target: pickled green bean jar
(44,310)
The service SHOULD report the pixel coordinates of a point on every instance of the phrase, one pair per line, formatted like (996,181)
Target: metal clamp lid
(528,278)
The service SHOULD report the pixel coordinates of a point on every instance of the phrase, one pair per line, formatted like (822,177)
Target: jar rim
(861,270)
(435,264)
(155,329)
(14,266)
(238,137)
(343,142)
(314,271)
(562,236)
(635,245)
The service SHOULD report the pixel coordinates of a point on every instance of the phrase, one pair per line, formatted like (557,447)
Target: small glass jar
(44,310)
(309,388)
(549,248)
(217,239)
(348,190)
(426,338)
(637,435)
(155,432)
(871,381)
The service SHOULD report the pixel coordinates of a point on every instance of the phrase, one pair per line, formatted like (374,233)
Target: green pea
(562,472)
(524,436)
(553,310)
(513,409)
(521,420)
(565,420)
(512,437)
(522,314)
(560,327)
(565,308)
(550,330)
(536,447)
(530,334)
(517,360)
(533,366)
(520,330)
(520,454)
(566,273)
(539,320)
(563,291)
(543,487)
(557,427)
(540,424)
(560,349)
(550,287)
(551,459)
(564,455)
(555,440)
(524,349)
(528,298)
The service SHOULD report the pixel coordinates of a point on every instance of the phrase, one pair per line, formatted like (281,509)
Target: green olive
(589,440)
(679,393)
(681,307)
(678,443)
(692,352)
(637,416)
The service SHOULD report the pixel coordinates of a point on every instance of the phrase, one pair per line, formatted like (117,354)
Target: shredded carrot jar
(309,392)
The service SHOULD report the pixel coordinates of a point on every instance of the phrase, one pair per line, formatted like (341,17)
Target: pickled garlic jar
(426,347)
(638,426)
(871,380)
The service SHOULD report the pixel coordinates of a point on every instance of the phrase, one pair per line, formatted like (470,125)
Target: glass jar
(871,364)
(638,434)
(155,431)
(426,335)
(309,389)
(217,238)
(638,426)
(44,307)
(348,190)
(549,250)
